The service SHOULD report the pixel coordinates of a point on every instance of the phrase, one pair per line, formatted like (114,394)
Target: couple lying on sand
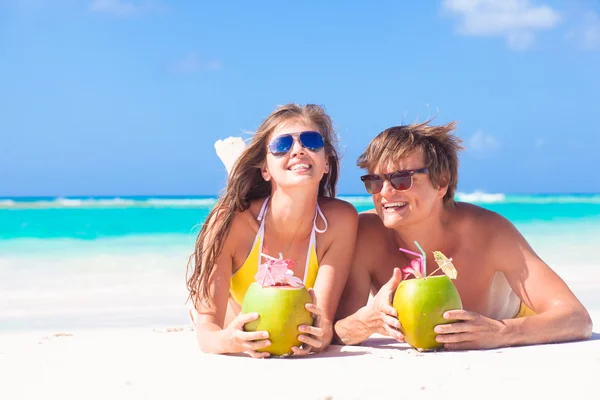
(280,199)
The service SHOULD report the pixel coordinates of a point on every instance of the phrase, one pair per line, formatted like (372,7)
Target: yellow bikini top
(243,277)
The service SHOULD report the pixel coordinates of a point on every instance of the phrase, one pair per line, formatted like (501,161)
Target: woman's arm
(335,264)
(212,336)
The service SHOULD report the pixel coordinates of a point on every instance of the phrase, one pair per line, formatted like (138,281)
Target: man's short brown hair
(439,147)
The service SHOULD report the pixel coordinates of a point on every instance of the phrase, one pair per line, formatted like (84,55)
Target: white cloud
(587,34)
(514,20)
(483,143)
(193,63)
(122,8)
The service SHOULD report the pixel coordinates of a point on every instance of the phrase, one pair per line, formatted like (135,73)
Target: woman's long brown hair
(245,183)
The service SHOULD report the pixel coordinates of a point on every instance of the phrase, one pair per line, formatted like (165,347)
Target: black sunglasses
(279,146)
(400,180)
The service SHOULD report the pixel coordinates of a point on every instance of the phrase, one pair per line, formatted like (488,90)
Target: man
(509,295)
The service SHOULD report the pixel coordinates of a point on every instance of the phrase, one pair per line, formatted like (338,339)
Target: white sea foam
(481,197)
(116,202)
(202,202)
(357,200)
(554,199)
(181,202)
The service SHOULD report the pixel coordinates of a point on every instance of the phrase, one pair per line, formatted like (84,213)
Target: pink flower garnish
(292,280)
(277,272)
(413,269)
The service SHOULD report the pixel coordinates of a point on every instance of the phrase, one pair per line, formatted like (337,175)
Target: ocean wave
(99,202)
(357,200)
(555,199)
(501,198)
(481,197)
(207,202)
(182,202)
(115,202)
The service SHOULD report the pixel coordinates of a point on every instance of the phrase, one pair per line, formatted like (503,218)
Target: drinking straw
(414,254)
(424,259)
(269,257)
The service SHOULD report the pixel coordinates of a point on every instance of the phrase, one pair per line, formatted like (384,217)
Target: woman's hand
(317,337)
(236,340)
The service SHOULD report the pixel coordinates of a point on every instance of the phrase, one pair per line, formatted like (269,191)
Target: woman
(279,201)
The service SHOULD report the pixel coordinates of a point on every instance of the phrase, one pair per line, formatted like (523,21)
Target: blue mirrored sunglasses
(282,144)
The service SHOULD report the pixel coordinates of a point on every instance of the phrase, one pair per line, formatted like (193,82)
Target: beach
(93,305)
(166,363)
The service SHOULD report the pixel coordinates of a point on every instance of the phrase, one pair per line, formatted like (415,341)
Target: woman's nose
(297,147)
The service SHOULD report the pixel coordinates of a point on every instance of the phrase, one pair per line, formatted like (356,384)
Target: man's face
(398,208)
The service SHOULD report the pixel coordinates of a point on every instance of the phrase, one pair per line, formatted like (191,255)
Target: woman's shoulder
(249,216)
(242,220)
(340,212)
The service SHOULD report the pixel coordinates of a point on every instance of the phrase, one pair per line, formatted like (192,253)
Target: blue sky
(124,97)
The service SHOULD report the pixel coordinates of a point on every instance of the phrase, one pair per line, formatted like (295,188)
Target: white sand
(162,364)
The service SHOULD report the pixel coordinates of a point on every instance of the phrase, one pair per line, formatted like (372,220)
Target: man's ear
(443,186)
(265,172)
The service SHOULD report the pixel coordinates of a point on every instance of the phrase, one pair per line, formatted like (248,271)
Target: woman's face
(299,166)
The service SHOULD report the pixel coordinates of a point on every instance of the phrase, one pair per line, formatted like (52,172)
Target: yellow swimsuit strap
(244,276)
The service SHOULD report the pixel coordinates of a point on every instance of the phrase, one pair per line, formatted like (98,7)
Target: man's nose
(387,188)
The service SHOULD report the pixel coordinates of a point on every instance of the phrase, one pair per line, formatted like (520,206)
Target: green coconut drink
(422,302)
(281,310)
(280,300)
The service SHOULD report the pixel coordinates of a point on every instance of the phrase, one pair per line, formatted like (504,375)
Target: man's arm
(355,320)
(559,314)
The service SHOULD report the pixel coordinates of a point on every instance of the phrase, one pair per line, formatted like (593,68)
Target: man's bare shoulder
(371,228)
(478,217)
(486,227)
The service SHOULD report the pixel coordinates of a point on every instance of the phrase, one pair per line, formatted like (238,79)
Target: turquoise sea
(120,261)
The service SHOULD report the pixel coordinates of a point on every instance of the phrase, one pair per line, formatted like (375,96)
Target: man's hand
(379,316)
(471,331)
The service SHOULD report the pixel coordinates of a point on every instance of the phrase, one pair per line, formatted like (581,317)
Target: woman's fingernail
(302,328)
(301,337)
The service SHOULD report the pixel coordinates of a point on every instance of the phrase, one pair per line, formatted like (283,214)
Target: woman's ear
(265,173)
(326,166)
